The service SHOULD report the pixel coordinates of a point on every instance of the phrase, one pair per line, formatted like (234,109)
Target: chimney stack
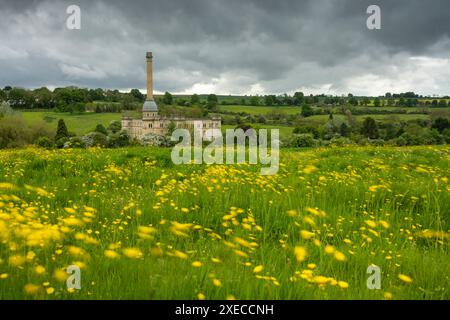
(149,76)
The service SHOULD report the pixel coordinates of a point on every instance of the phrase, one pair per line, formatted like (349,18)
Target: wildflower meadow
(139,227)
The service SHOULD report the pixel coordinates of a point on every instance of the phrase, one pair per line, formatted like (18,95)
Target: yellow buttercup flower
(196,264)
(201,296)
(306,234)
(405,278)
(339,256)
(258,269)
(39,270)
(31,288)
(133,253)
(329,249)
(300,253)
(217,282)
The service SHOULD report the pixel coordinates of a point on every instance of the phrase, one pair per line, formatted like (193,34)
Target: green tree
(20,98)
(440,124)
(269,100)
(344,129)
(369,128)
(211,102)
(195,99)
(307,111)
(376,102)
(254,101)
(171,127)
(299,98)
(167,99)
(61,130)
(135,93)
(43,98)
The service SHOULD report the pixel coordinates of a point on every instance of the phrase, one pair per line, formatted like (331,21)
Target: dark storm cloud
(228,46)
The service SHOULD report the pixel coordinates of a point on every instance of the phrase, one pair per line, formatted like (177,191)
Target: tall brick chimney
(149,76)
(149,109)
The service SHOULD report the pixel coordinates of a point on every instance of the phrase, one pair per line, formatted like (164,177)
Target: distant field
(254,110)
(260,109)
(321,119)
(398,109)
(76,123)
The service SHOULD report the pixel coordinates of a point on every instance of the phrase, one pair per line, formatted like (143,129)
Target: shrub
(120,139)
(303,140)
(115,126)
(44,142)
(101,129)
(340,141)
(61,142)
(400,141)
(61,130)
(75,142)
(14,132)
(94,139)
(307,129)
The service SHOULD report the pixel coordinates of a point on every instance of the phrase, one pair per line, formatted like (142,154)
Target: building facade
(151,122)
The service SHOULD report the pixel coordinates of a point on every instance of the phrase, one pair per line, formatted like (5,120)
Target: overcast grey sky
(229,47)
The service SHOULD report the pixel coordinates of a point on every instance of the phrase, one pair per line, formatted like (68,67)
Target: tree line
(74,99)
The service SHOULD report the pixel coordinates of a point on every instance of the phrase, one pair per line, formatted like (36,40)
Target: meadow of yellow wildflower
(139,227)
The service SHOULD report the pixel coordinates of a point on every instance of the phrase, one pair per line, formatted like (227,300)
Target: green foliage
(440,124)
(44,142)
(344,130)
(61,130)
(307,111)
(195,99)
(307,129)
(119,139)
(76,142)
(14,132)
(167,99)
(100,128)
(211,103)
(369,128)
(135,93)
(171,127)
(115,126)
(5,109)
(304,140)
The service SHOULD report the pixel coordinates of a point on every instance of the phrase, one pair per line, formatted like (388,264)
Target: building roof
(150,105)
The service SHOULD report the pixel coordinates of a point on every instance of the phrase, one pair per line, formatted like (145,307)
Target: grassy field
(77,123)
(322,119)
(140,227)
(255,110)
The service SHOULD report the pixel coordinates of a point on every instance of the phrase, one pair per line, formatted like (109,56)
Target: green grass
(377,203)
(76,123)
(322,119)
(256,110)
